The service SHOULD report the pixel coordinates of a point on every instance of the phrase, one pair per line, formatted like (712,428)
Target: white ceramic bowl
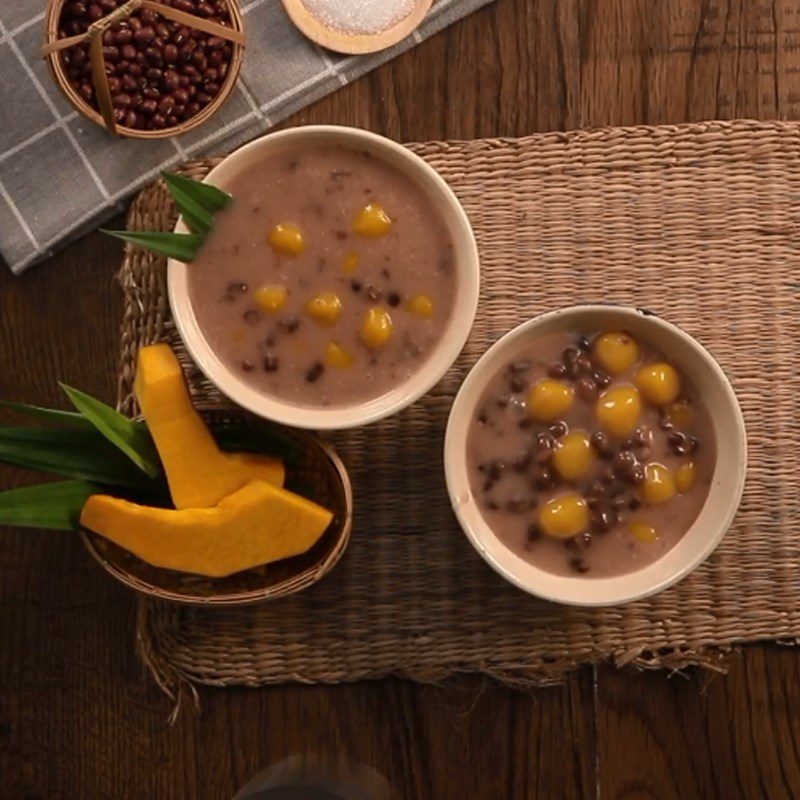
(439,360)
(726,488)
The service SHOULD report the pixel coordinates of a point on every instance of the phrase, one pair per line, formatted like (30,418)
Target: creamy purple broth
(511,472)
(284,353)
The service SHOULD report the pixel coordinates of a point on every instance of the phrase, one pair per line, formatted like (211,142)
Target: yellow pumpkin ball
(616,352)
(564,517)
(377,327)
(550,399)
(286,239)
(325,308)
(684,477)
(573,456)
(659,383)
(618,409)
(659,484)
(643,532)
(372,221)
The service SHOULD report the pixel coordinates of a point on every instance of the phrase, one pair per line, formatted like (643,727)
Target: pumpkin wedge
(255,525)
(199,474)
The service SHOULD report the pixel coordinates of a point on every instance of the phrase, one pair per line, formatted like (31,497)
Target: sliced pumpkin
(258,524)
(199,474)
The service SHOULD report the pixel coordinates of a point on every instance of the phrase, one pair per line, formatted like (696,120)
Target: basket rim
(295,583)
(52,15)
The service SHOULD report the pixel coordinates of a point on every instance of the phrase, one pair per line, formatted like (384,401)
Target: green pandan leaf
(72,452)
(180,246)
(56,506)
(195,216)
(68,419)
(205,195)
(129,437)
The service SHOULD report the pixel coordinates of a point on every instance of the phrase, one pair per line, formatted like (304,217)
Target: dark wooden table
(79,720)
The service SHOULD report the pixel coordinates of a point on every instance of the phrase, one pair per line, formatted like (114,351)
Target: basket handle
(95,32)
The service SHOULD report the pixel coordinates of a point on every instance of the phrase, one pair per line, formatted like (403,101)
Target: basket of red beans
(169,64)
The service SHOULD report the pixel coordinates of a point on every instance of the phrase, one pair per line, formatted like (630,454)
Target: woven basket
(52,17)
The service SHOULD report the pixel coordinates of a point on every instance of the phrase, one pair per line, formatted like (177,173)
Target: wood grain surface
(79,718)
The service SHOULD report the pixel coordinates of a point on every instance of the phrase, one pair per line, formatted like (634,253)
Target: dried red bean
(579,565)
(270,363)
(315,373)
(521,463)
(165,104)
(601,442)
(533,533)
(569,357)
(601,379)
(583,366)
(289,324)
(558,429)
(602,521)
(542,478)
(587,390)
(624,462)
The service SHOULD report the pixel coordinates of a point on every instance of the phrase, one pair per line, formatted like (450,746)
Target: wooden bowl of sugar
(357,26)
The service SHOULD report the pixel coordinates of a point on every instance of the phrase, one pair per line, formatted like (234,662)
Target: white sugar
(360,16)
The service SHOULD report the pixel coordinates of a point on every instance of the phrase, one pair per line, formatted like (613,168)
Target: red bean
(144,35)
(171,80)
(75,9)
(165,104)
(122,100)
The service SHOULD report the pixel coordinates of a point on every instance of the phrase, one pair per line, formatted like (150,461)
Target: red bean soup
(328,280)
(590,455)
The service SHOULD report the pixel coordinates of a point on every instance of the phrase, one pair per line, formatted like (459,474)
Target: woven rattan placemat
(698,223)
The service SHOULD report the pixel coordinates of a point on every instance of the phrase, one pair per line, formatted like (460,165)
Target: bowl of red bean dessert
(595,455)
(337,287)
(165,76)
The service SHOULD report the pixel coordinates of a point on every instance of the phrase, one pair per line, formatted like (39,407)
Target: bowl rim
(440,359)
(562,589)
(288,586)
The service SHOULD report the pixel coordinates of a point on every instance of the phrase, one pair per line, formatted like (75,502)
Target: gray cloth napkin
(61,175)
